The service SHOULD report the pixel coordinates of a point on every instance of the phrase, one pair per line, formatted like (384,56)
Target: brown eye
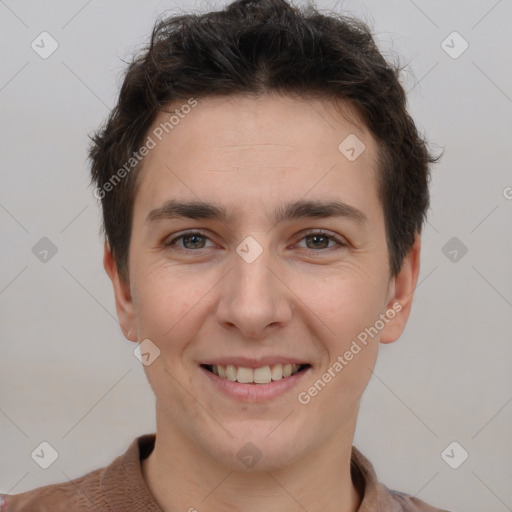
(195,241)
(318,241)
(321,240)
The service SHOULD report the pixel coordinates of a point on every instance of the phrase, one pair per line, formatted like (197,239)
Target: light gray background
(69,377)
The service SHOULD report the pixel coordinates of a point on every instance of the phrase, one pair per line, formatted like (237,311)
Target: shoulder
(80,495)
(407,503)
(379,498)
(118,486)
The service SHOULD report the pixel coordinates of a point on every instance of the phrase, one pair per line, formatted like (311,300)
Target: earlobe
(122,293)
(399,305)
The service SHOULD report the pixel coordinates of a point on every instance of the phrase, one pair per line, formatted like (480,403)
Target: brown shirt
(120,487)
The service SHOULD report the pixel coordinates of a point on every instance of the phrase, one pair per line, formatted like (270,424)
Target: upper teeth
(261,375)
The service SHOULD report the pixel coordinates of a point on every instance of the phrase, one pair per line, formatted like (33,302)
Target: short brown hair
(257,47)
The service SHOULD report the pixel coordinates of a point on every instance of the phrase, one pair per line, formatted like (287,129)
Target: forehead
(257,148)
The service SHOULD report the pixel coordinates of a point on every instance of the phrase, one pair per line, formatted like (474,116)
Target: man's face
(252,290)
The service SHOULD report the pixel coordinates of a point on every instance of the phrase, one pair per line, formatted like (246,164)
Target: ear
(122,292)
(401,292)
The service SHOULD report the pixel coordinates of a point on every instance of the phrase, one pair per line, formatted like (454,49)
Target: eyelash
(321,233)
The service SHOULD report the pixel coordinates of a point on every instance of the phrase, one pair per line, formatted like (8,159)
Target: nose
(254,299)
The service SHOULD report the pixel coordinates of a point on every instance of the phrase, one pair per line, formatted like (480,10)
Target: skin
(302,297)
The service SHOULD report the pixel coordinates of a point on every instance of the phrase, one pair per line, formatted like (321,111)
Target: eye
(321,239)
(194,240)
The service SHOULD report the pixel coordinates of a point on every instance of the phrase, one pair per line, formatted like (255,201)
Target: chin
(259,451)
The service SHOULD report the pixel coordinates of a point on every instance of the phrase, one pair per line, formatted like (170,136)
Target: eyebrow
(196,210)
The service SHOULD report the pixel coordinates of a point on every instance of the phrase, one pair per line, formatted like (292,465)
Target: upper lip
(248,362)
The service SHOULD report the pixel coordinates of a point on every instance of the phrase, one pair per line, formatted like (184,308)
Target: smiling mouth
(262,375)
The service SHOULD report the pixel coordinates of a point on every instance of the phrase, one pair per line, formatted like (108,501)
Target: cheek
(351,345)
(168,304)
(346,301)
(168,310)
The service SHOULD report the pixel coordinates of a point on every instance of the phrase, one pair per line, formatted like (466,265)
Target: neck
(182,478)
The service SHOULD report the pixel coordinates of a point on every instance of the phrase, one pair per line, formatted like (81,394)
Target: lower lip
(254,392)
